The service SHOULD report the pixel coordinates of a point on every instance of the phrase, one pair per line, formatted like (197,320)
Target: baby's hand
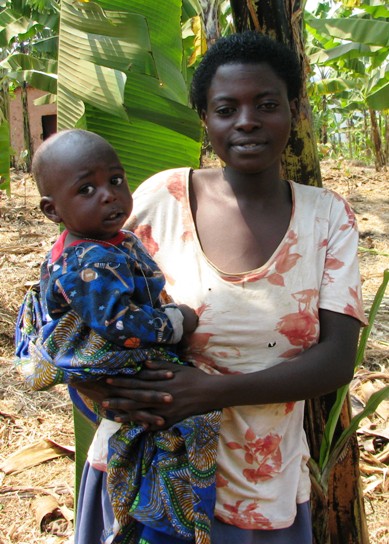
(191,319)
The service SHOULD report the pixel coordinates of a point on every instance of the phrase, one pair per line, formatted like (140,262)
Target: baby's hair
(46,153)
(249,47)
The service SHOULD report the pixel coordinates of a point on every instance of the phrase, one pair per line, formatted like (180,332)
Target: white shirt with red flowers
(252,321)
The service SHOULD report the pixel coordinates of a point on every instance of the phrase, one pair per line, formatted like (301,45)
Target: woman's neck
(261,186)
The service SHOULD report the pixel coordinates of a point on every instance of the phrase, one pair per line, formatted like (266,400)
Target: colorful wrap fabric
(161,484)
(169,479)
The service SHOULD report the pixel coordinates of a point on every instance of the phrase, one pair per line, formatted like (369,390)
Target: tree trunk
(337,509)
(337,498)
(4,101)
(26,127)
(366,130)
(347,519)
(324,127)
(350,137)
(314,422)
(375,135)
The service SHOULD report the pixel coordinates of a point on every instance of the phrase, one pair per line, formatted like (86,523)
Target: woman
(271,267)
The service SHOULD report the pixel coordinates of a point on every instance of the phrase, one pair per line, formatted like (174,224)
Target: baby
(102,295)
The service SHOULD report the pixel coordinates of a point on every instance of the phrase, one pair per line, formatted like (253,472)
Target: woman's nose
(248,119)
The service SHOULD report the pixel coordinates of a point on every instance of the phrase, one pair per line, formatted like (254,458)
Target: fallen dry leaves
(35,454)
(36,502)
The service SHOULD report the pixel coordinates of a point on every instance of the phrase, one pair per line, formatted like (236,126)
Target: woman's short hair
(248,47)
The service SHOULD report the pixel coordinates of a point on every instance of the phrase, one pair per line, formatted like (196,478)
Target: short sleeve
(341,283)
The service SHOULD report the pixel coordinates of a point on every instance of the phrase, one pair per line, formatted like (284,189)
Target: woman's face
(248,116)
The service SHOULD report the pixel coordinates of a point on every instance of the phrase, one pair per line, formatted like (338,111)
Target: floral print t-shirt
(252,321)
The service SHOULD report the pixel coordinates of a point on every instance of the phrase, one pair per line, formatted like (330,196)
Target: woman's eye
(224,111)
(267,106)
(117,180)
(86,189)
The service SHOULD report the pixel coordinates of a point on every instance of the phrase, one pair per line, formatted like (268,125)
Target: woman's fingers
(133,403)
(131,400)
(148,420)
(144,398)
(134,394)
(155,371)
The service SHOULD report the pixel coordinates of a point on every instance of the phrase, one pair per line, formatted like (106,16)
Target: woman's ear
(47,207)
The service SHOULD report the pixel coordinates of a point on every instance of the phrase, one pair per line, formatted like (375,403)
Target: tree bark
(4,101)
(210,17)
(375,135)
(26,127)
(347,519)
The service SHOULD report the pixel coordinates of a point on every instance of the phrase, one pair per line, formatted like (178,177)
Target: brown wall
(35,114)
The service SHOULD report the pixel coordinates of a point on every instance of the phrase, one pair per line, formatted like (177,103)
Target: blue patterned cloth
(114,286)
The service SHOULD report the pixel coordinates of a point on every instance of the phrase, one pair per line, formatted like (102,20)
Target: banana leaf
(120,75)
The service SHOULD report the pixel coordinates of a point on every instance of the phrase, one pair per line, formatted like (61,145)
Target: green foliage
(39,73)
(28,49)
(23,23)
(348,51)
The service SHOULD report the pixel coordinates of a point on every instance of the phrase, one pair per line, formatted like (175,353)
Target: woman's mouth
(248,146)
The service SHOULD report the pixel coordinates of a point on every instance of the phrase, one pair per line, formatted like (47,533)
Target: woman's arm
(166,394)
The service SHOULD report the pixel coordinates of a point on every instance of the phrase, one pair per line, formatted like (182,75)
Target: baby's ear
(47,207)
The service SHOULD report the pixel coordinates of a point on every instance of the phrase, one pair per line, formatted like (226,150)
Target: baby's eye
(117,180)
(86,190)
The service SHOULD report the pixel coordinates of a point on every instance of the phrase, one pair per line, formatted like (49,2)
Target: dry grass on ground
(27,418)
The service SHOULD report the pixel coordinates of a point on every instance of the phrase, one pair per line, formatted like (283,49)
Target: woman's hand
(160,395)
(127,398)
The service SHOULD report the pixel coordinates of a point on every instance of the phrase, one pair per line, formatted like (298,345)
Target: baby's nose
(109,194)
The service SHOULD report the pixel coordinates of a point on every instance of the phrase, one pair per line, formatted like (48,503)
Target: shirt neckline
(249,275)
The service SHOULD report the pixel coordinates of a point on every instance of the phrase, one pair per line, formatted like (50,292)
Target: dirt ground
(36,502)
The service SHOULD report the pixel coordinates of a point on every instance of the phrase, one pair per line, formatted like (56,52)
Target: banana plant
(28,40)
(39,73)
(356,48)
(120,74)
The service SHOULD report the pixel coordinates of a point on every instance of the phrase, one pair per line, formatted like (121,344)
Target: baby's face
(91,194)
